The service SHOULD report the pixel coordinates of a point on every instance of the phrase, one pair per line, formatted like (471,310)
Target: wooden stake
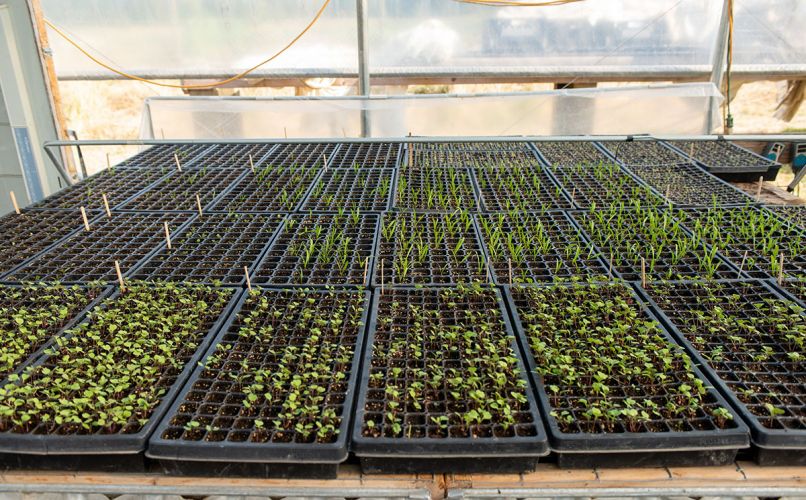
(14,202)
(366,266)
(120,277)
(162,133)
(509,262)
(324,160)
(84,217)
(643,272)
(178,165)
(106,205)
(198,204)
(573,194)
(167,234)
(251,163)
(758,190)
(781,269)
(108,163)
(285,132)
(744,258)
(248,281)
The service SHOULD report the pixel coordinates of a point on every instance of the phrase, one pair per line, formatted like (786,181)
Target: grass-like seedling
(525,189)
(178,190)
(435,188)
(429,249)
(607,367)
(754,239)
(625,235)
(365,189)
(270,188)
(30,315)
(530,248)
(572,153)
(602,184)
(795,214)
(687,185)
(109,373)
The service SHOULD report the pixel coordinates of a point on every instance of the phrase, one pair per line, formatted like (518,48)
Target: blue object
(798,155)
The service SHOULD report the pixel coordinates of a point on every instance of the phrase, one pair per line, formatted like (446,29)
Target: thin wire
(197,85)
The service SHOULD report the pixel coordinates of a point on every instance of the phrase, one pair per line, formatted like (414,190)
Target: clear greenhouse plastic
(654,109)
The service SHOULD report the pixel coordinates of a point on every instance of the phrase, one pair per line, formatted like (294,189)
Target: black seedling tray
(687,185)
(37,346)
(794,214)
(491,146)
(688,266)
(301,155)
(123,451)
(178,191)
(600,185)
(733,245)
(556,258)
(271,188)
(234,156)
(352,235)
(434,260)
(436,438)
(570,154)
(162,156)
(776,379)
(427,158)
(656,441)
(347,189)
(727,160)
(87,256)
(367,155)
(521,189)
(412,184)
(794,288)
(642,152)
(213,248)
(118,184)
(226,433)
(34,232)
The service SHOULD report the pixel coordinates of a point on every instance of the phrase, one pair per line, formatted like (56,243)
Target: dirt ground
(113,110)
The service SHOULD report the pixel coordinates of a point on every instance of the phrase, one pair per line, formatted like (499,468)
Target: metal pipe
(364,87)
(718,64)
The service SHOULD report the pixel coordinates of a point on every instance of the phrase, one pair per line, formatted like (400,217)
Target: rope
(197,85)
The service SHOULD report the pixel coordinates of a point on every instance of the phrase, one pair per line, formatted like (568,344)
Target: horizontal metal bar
(758,491)
(415,139)
(525,71)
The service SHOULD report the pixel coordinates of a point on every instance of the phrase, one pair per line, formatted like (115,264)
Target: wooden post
(366,267)
(758,190)
(178,165)
(781,269)
(198,204)
(643,272)
(167,234)
(248,281)
(120,277)
(106,205)
(744,258)
(84,217)
(14,202)
(509,262)
(251,163)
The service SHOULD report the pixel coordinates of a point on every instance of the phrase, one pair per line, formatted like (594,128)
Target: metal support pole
(718,65)
(363,63)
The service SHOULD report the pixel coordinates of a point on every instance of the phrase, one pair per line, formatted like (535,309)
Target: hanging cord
(197,85)
(515,3)
(729,117)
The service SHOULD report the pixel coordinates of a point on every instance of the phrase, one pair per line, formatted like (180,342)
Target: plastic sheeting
(769,32)
(195,37)
(662,109)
